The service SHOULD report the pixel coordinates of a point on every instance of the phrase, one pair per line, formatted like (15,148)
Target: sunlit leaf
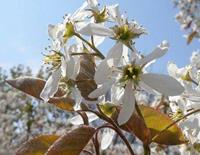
(85,78)
(37,146)
(157,121)
(73,142)
(108,109)
(34,86)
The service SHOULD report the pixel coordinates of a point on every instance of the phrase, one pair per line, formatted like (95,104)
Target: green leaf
(34,86)
(157,121)
(108,109)
(37,146)
(73,142)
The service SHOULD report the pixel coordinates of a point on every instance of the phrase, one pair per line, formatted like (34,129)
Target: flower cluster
(189,17)
(120,74)
(105,88)
(189,76)
(21,116)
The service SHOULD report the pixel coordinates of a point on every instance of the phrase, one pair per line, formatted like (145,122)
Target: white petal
(55,31)
(147,88)
(76,71)
(115,53)
(102,90)
(104,70)
(98,40)
(96,29)
(128,106)
(163,84)
(157,53)
(78,98)
(107,137)
(77,120)
(80,14)
(92,3)
(51,85)
(63,67)
(52,30)
(114,13)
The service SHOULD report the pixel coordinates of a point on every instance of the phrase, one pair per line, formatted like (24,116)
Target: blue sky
(24,23)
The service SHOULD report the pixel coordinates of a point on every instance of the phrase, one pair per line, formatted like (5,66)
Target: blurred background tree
(21,116)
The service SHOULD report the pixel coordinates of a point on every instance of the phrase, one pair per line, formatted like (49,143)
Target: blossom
(61,32)
(130,76)
(124,31)
(63,65)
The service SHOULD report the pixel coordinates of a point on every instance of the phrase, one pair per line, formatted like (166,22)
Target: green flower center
(100,16)
(124,34)
(53,59)
(177,115)
(131,72)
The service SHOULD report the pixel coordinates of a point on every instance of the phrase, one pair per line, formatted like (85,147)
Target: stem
(89,44)
(121,136)
(114,127)
(94,140)
(147,150)
(170,125)
(88,152)
(96,144)
(94,54)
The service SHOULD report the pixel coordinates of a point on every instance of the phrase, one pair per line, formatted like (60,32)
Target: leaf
(73,142)
(85,78)
(191,37)
(34,86)
(157,121)
(37,146)
(108,109)
(136,126)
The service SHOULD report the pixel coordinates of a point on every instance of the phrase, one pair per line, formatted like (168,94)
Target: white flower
(195,59)
(131,76)
(61,32)
(63,65)
(123,32)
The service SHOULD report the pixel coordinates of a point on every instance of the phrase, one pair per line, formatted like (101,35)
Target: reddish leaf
(137,126)
(37,146)
(191,37)
(73,142)
(34,86)
(85,78)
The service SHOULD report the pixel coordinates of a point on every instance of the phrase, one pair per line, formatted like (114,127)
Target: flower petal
(128,106)
(114,13)
(107,137)
(98,40)
(157,53)
(96,29)
(92,3)
(77,120)
(163,83)
(104,70)
(115,53)
(51,85)
(102,90)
